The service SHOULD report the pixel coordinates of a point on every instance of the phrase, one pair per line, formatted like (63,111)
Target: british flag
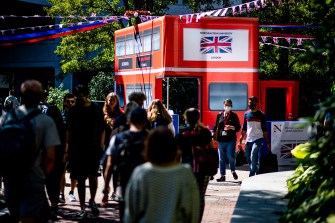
(216,44)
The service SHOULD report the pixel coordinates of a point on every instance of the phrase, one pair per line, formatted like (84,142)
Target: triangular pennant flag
(288,40)
(255,4)
(248,7)
(198,17)
(264,38)
(240,8)
(217,12)
(275,40)
(234,10)
(224,12)
(299,41)
(210,12)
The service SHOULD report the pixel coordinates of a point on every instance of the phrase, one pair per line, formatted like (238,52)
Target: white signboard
(284,137)
(215,45)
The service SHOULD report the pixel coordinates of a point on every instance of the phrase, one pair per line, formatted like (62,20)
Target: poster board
(285,136)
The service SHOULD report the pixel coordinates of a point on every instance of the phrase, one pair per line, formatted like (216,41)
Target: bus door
(181,93)
(280,99)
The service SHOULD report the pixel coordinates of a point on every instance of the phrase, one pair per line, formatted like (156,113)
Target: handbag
(268,163)
(240,154)
(216,133)
(205,160)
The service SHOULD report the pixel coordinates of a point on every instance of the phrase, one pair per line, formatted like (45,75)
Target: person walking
(12,100)
(114,118)
(125,152)
(195,134)
(27,200)
(254,128)
(137,97)
(226,126)
(162,188)
(158,115)
(85,131)
(68,101)
(54,178)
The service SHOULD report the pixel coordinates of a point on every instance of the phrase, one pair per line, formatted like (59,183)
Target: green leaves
(56,96)
(312,186)
(301,150)
(101,85)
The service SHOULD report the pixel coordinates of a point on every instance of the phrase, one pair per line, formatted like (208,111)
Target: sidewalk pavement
(254,199)
(261,198)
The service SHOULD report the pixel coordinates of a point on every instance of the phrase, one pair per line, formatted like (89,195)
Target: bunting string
(59,30)
(284,47)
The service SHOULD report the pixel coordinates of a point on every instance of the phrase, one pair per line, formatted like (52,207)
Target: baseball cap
(253,98)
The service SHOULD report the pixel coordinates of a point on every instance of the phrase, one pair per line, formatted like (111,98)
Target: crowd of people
(146,165)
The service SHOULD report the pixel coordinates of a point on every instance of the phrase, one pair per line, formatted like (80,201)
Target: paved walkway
(255,199)
(261,198)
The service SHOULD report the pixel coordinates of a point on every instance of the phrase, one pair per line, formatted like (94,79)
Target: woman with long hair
(159,116)
(114,118)
(195,134)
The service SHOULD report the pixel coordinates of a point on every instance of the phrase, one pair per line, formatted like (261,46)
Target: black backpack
(129,156)
(17,144)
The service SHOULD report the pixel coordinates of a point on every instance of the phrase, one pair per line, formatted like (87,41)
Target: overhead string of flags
(10,36)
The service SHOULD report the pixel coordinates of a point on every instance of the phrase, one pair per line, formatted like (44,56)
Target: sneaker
(94,208)
(61,199)
(80,215)
(234,175)
(71,197)
(221,179)
(113,196)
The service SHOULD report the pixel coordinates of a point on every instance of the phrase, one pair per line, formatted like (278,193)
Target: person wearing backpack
(54,178)
(25,189)
(11,100)
(195,134)
(162,189)
(124,153)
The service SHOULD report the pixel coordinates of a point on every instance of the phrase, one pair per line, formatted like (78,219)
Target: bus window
(129,45)
(146,89)
(237,92)
(120,46)
(138,43)
(120,94)
(147,40)
(157,38)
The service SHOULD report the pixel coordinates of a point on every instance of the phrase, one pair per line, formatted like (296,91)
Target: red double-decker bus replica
(199,63)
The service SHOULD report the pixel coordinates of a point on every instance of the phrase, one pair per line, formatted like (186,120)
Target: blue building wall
(28,61)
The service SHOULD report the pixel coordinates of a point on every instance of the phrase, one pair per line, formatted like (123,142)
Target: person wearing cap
(254,128)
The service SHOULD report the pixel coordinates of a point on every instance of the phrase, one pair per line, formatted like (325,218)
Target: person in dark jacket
(226,126)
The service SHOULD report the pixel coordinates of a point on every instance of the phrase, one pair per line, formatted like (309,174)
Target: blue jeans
(251,151)
(227,149)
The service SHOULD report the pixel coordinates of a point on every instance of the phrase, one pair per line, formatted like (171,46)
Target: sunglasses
(71,101)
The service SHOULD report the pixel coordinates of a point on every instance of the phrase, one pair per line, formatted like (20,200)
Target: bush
(56,96)
(100,86)
(312,187)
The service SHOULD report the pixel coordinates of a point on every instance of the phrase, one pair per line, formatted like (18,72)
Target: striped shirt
(254,124)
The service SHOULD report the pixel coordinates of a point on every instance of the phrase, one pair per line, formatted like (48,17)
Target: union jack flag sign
(216,44)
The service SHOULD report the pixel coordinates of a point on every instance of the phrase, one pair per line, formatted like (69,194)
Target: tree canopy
(93,51)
